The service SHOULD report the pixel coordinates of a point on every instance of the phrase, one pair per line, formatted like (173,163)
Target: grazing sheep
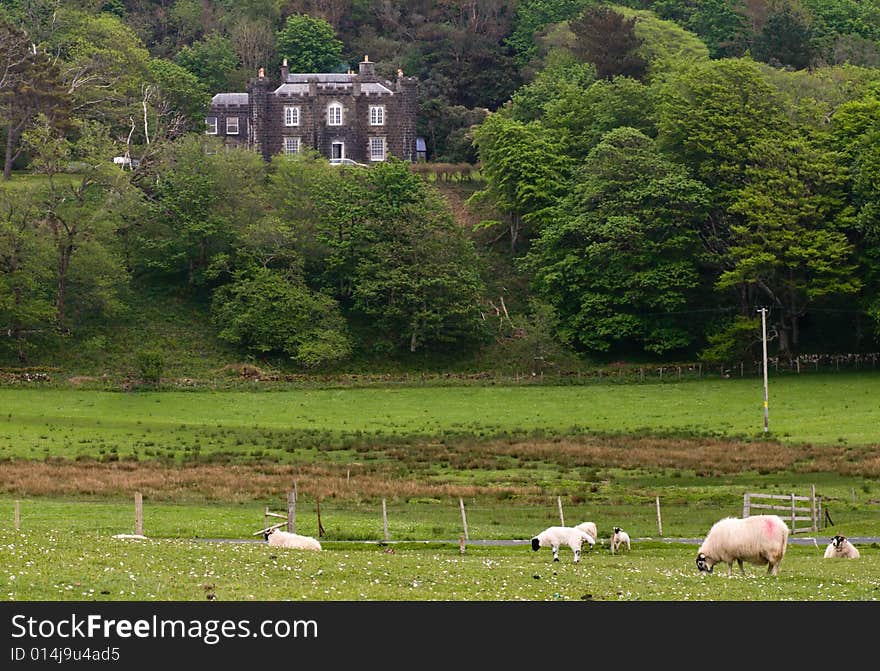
(840,546)
(285,539)
(553,537)
(590,528)
(760,539)
(619,539)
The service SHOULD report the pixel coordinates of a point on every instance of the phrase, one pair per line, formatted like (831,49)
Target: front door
(337,150)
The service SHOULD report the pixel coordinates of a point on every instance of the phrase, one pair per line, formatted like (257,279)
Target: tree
(608,40)
(785,40)
(80,213)
(29,85)
(269,311)
(787,241)
(309,44)
(617,258)
(525,168)
(416,278)
(213,61)
(26,306)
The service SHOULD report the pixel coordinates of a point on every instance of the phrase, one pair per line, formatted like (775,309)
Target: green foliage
(608,40)
(534,15)
(213,61)
(733,341)
(264,311)
(309,44)
(150,366)
(617,258)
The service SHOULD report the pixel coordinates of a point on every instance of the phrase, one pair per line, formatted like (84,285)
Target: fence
(811,513)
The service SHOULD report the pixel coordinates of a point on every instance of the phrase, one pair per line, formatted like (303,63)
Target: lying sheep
(553,537)
(590,528)
(760,539)
(840,546)
(618,539)
(285,539)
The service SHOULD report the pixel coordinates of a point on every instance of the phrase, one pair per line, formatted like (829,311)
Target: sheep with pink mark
(760,540)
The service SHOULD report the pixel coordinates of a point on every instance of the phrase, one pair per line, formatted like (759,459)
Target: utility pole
(763,312)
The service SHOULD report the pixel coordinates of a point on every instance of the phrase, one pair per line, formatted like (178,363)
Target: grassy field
(210,463)
(817,409)
(57,566)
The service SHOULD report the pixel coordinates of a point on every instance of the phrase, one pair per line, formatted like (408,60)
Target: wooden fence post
(384,519)
(746,505)
(659,522)
(792,513)
(291,510)
(561,518)
(138,514)
(813,512)
(266,517)
(318,509)
(17,515)
(463,518)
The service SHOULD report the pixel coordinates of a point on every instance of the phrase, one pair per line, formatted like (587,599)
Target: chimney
(284,71)
(366,68)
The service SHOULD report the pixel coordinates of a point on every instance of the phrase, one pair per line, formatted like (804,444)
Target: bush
(150,365)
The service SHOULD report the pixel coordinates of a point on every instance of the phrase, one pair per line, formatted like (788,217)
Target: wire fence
(429,520)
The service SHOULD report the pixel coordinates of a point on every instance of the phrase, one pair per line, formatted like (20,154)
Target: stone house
(346,117)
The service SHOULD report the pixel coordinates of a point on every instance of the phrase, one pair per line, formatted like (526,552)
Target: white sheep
(590,528)
(553,537)
(618,539)
(285,539)
(840,546)
(760,539)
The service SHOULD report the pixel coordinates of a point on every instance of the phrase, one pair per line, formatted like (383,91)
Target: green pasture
(280,425)
(55,566)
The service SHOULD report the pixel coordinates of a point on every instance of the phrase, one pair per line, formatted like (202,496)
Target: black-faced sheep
(618,539)
(840,546)
(285,539)
(554,537)
(760,539)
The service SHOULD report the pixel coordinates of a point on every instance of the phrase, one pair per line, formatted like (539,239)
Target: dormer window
(377,115)
(334,114)
(211,125)
(232,125)
(291,115)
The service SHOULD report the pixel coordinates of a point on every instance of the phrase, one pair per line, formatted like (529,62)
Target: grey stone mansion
(353,116)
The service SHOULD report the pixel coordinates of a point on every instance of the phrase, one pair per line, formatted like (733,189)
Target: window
(334,114)
(377,148)
(291,116)
(232,125)
(291,145)
(377,115)
(211,123)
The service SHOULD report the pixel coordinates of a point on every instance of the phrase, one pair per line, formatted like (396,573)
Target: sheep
(619,539)
(553,537)
(590,528)
(760,539)
(840,546)
(285,539)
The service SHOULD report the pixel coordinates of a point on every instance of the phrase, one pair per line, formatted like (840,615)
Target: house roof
(230,99)
(303,87)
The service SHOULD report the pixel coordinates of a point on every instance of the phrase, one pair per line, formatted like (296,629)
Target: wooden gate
(796,509)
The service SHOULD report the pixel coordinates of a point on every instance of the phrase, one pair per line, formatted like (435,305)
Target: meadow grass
(810,409)
(60,567)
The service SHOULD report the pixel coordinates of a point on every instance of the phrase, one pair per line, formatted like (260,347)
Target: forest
(646,177)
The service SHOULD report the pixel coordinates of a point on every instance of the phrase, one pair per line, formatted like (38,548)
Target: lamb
(553,537)
(619,539)
(840,546)
(285,539)
(760,539)
(590,528)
